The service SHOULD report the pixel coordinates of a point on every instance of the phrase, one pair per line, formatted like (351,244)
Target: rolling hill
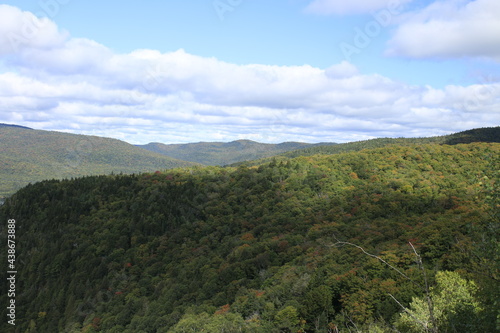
(28,156)
(224,153)
(13,126)
(488,134)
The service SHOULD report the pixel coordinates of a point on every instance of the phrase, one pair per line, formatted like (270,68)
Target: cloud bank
(441,29)
(449,29)
(53,81)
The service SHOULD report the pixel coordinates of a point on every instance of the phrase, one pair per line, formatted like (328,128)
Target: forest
(224,153)
(401,238)
(28,156)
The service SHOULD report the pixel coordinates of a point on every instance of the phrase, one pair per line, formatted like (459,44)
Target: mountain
(224,153)
(487,134)
(14,126)
(28,155)
(361,241)
(32,155)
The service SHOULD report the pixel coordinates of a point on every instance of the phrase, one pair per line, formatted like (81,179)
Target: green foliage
(217,323)
(455,307)
(222,153)
(191,323)
(287,319)
(253,248)
(28,156)
(486,250)
(488,134)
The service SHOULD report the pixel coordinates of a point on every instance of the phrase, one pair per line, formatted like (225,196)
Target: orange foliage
(223,310)
(247,237)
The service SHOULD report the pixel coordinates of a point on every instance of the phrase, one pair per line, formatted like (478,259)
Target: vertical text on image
(11,272)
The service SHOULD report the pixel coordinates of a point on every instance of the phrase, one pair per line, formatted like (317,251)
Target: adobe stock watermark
(488,89)
(73,158)
(371,30)
(153,79)
(12,271)
(77,154)
(32,25)
(222,7)
(277,123)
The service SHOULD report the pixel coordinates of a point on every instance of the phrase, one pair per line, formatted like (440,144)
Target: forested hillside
(486,134)
(314,244)
(13,126)
(224,153)
(28,156)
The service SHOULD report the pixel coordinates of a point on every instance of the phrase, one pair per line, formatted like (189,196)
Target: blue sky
(272,71)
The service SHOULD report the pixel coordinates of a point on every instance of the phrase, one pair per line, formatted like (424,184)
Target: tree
(220,322)
(455,307)
(191,323)
(486,252)
(287,319)
(318,305)
(227,322)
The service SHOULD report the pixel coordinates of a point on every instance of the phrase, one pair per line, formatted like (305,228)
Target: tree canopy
(256,249)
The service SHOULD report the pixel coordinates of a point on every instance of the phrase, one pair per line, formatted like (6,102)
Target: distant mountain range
(29,155)
(222,153)
(254,153)
(487,134)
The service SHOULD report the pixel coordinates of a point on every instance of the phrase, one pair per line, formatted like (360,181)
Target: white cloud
(80,85)
(22,30)
(336,7)
(76,56)
(342,70)
(449,29)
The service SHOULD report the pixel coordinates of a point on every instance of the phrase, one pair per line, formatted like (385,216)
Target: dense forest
(392,239)
(486,134)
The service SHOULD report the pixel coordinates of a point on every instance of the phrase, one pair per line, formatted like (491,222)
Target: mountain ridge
(29,156)
(13,125)
(224,153)
(485,134)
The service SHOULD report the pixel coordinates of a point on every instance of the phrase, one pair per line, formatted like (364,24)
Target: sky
(175,71)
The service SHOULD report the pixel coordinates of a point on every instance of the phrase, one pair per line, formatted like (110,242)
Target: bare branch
(428,297)
(381,260)
(424,288)
(409,312)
